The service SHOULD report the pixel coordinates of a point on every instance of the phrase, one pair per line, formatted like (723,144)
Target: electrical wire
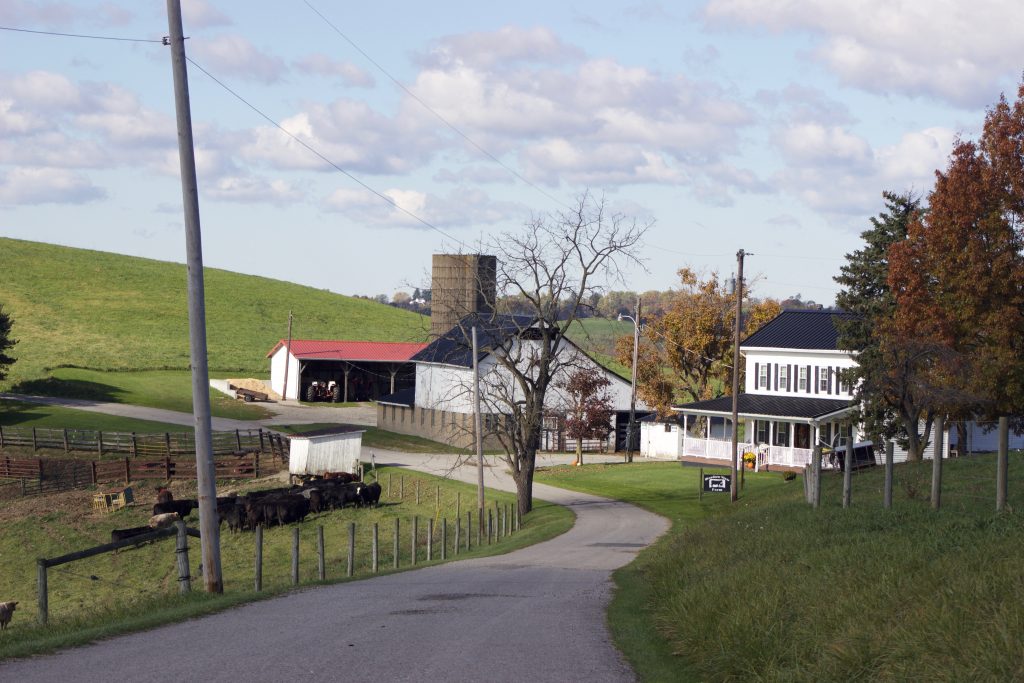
(322,157)
(81,35)
(426,106)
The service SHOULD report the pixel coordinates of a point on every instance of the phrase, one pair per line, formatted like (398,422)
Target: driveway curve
(536,614)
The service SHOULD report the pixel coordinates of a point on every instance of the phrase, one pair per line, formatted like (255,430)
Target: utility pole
(209,525)
(734,489)
(478,438)
(287,358)
(631,429)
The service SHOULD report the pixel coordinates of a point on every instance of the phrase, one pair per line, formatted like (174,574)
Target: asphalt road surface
(536,614)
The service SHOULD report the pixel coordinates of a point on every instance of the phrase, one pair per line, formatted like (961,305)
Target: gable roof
(799,329)
(455,347)
(336,349)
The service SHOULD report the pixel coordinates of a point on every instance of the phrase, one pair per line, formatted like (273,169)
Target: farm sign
(717,483)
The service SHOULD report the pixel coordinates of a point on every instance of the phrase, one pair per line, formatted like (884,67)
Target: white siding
(656,442)
(327,453)
(277,364)
(819,362)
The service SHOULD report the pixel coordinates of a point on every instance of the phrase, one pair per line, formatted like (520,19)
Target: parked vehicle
(320,390)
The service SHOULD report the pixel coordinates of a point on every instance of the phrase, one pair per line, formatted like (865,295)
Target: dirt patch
(255,385)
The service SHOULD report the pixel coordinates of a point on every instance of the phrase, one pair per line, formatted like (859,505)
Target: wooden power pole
(288,361)
(734,487)
(209,525)
(478,437)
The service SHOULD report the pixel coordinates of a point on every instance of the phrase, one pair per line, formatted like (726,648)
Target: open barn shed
(364,370)
(335,449)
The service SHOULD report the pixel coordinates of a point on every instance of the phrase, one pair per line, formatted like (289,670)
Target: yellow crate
(113,500)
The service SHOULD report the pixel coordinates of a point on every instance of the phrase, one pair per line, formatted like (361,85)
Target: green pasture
(770,589)
(28,415)
(137,588)
(103,311)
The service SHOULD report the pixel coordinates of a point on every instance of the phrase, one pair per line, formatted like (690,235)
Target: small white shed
(335,449)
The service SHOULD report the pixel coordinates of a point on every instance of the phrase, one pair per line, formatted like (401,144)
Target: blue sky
(768,126)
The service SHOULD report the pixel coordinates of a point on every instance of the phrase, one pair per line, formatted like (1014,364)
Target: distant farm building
(363,370)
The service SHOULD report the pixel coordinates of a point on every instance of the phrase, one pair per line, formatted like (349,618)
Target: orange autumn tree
(958,278)
(686,353)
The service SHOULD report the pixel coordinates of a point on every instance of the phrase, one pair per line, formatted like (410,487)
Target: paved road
(285,412)
(537,614)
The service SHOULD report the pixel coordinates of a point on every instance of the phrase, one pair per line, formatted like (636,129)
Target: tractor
(321,390)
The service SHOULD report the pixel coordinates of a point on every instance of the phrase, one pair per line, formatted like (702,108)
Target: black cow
(369,494)
(182,507)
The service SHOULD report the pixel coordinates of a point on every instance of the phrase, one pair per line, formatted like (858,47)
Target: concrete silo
(460,284)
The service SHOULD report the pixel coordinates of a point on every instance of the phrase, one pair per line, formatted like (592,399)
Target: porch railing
(718,449)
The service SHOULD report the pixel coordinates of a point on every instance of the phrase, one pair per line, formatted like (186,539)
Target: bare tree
(551,268)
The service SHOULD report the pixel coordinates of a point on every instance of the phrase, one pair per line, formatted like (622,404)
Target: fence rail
(131,443)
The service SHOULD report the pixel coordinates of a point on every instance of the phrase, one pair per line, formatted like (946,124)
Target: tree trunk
(523,476)
(579,451)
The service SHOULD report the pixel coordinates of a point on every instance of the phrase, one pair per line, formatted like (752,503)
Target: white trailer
(325,450)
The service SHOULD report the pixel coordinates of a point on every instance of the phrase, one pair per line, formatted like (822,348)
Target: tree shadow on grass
(68,388)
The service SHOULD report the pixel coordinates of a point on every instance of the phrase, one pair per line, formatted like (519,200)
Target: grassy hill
(103,311)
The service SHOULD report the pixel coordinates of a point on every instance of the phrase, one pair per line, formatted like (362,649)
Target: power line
(426,106)
(80,35)
(309,147)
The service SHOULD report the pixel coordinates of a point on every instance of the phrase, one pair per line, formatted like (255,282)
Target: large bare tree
(551,268)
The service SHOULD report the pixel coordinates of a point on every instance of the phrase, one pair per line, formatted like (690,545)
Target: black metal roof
(455,347)
(763,405)
(799,329)
(402,397)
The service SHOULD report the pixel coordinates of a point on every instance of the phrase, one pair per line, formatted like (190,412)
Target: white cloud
(502,48)
(199,14)
(234,55)
(463,207)
(253,190)
(349,74)
(952,50)
(46,186)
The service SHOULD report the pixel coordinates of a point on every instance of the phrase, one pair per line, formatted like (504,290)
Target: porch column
(394,371)
(816,465)
(344,391)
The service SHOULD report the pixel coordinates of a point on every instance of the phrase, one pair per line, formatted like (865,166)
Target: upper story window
(823,380)
(802,386)
(784,378)
(762,377)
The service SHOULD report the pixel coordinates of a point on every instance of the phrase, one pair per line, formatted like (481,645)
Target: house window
(784,378)
(803,378)
(668,427)
(823,380)
(781,434)
(761,431)
(762,376)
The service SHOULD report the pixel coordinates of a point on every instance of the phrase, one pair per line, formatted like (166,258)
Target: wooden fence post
(490,528)
(401,487)
(321,561)
(256,465)
(351,549)
(127,471)
(396,542)
(99,443)
(848,474)
(437,499)
(444,538)
(417,491)
(261,439)
(34,448)
(389,485)
(167,468)
(458,505)
(259,557)
(295,556)
(458,534)
(92,470)
(415,533)
(167,440)
(430,539)
(44,609)
(374,549)
(887,494)
(469,530)
(135,446)
(181,551)
(66,440)
(1,436)
(238,441)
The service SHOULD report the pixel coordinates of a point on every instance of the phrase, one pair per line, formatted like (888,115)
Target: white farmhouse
(794,397)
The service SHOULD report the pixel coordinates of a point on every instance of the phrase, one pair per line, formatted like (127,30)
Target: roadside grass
(165,389)
(136,588)
(771,589)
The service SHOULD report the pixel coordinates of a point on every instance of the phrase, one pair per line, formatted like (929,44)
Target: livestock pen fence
(239,454)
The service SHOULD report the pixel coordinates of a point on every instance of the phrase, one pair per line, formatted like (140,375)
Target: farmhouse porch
(779,430)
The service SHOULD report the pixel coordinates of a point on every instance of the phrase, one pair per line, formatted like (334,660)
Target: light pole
(632,390)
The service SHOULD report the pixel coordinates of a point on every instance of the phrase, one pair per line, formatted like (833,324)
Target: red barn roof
(336,349)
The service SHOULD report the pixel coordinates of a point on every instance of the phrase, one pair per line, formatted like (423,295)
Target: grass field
(136,588)
(19,414)
(770,589)
(102,311)
(597,336)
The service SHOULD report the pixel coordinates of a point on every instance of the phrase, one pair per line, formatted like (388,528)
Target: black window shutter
(775,374)
(816,369)
(757,375)
(789,378)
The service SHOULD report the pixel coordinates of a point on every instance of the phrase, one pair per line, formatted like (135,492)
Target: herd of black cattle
(279,506)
